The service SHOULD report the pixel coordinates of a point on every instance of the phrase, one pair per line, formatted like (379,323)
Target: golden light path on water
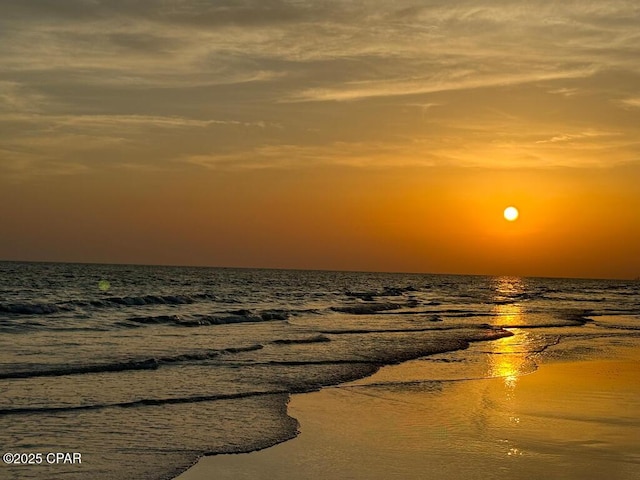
(509,357)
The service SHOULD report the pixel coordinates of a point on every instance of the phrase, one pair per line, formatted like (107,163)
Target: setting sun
(312,152)
(511,213)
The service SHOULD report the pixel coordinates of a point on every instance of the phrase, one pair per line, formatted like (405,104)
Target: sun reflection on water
(508,367)
(508,315)
(508,358)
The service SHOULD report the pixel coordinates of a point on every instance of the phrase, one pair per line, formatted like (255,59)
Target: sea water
(121,372)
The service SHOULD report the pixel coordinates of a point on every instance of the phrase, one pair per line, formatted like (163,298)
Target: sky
(342,135)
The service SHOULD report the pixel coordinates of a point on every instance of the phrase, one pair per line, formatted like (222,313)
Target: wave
(147,364)
(366,309)
(145,300)
(122,366)
(314,339)
(409,350)
(369,296)
(351,331)
(106,302)
(140,403)
(450,312)
(198,320)
(298,363)
(460,328)
(32,308)
(208,354)
(358,368)
(194,320)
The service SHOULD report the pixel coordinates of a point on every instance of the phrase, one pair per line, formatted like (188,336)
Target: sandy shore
(573,418)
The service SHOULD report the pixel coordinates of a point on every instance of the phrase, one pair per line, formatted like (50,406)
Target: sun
(511,213)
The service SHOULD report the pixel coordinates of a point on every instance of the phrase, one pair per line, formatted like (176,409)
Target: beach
(569,412)
(385,375)
(331,240)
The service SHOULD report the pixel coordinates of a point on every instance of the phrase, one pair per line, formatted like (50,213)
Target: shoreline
(568,417)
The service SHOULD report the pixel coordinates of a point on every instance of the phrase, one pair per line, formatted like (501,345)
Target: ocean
(133,372)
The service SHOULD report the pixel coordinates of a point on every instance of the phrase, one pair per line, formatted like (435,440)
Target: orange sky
(347,135)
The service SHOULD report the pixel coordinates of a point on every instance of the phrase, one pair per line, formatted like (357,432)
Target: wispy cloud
(567,92)
(217,82)
(467,81)
(20,164)
(631,102)
(352,154)
(124,121)
(571,137)
(15,97)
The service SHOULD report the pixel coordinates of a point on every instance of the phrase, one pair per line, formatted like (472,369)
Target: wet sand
(575,417)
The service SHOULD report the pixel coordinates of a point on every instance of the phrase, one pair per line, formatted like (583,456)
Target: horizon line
(329,270)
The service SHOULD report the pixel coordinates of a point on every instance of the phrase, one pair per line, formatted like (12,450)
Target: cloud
(217,82)
(15,97)
(182,40)
(567,92)
(631,102)
(351,154)
(19,164)
(34,144)
(124,121)
(571,137)
(466,81)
